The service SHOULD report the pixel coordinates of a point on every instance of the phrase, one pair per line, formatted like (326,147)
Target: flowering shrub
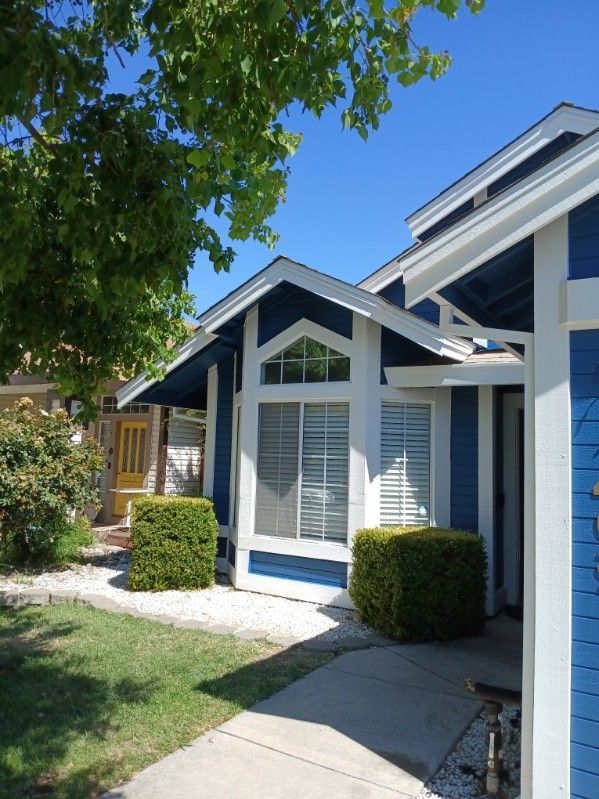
(42,475)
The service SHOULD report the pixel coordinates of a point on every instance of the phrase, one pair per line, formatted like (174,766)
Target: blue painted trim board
(292,567)
(464,458)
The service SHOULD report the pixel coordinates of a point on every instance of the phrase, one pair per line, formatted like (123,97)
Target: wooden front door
(131,462)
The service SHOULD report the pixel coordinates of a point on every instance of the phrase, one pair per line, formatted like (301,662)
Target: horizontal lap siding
(277,314)
(224,432)
(584,362)
(396,293)
(464,458)
(584,240)
(305,570)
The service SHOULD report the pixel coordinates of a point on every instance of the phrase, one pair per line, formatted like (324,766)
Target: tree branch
(35,134)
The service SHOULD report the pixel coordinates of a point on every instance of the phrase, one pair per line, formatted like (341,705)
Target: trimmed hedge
(174,543)
(419,584)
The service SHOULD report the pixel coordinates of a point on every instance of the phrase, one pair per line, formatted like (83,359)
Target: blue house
(458,385)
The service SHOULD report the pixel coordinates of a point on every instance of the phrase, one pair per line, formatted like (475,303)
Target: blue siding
(399,351)
(232,554)
(221,546)
(224,431)
(304,570)
(288,304)
(583,227)
(396,293)
(584,387)
(464,458)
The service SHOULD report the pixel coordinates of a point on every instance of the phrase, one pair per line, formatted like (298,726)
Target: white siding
(184,457)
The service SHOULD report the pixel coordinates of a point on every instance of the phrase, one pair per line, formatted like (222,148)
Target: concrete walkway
(372,724)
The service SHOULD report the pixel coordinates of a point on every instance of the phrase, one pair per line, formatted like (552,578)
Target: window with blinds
(278,473)
(405,464)
(325,456)
(303,464)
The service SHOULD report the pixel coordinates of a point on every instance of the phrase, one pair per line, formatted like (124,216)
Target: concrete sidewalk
(372,723)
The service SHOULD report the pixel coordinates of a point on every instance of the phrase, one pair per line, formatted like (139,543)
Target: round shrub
(55,544)
(419,584)
(174,543)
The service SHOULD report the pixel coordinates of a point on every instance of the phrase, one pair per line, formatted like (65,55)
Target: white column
(553,526)
(486,486)
(210,443)
(364,426)
(248,433)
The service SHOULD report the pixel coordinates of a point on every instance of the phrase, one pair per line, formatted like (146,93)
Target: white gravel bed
(462,776)
(106,574)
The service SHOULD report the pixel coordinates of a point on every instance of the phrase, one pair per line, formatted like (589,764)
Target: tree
(43,474)
(105,196)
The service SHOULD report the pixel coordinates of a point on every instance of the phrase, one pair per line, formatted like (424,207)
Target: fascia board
(134,387)
(497,374)
(563,119)
(547,194)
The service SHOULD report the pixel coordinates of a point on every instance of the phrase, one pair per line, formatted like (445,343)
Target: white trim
(564,118)
(31,388)
(486,487)
(550,192)
(371,424)
(341,293)
(553,519)
(463,374)
(210,441)
(320,550)
(305,327)
(233,477)
(579,304)
(358,428)
(248,438)
(141,382)
(304,392)
(499,334)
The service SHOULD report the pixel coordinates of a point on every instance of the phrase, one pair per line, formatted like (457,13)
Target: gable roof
(561,184)
(284,270)
(564,118)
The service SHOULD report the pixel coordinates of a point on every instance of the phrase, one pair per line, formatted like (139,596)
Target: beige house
(146,447)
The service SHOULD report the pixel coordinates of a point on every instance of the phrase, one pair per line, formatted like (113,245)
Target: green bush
(174,543)
(55,544)
(43,474)
(419,584)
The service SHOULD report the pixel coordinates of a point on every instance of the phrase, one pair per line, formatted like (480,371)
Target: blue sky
(347,199)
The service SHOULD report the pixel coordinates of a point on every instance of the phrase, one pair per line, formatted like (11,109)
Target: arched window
(306,361)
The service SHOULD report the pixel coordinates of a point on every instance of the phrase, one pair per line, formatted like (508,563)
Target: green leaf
(198,158)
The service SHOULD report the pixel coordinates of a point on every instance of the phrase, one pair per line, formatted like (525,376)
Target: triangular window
(306,361)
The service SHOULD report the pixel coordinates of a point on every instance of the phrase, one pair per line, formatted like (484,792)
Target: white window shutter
(405,464)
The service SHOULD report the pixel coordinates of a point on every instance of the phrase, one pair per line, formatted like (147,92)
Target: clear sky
(347,199)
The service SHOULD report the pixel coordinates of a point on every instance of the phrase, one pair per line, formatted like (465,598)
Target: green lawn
(89,698)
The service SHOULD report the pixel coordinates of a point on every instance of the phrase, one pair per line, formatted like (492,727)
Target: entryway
(510,505)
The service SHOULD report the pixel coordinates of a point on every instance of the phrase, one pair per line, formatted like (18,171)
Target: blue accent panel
(584,386)
(304,570)
(232,554)
(399,351)
(583,234)
(222,449)
(396,293)
(287,304)
(221,546)
(464,458)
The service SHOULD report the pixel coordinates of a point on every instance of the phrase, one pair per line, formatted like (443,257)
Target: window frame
(126,410)
(304,361)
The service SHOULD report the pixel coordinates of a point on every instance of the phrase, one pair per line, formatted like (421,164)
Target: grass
(89,698)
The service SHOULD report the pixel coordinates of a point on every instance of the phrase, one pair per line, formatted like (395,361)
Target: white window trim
(304,327)
(210,442)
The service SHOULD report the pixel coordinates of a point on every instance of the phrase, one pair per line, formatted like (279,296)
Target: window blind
(325,457)
(277,470)
(405,464)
